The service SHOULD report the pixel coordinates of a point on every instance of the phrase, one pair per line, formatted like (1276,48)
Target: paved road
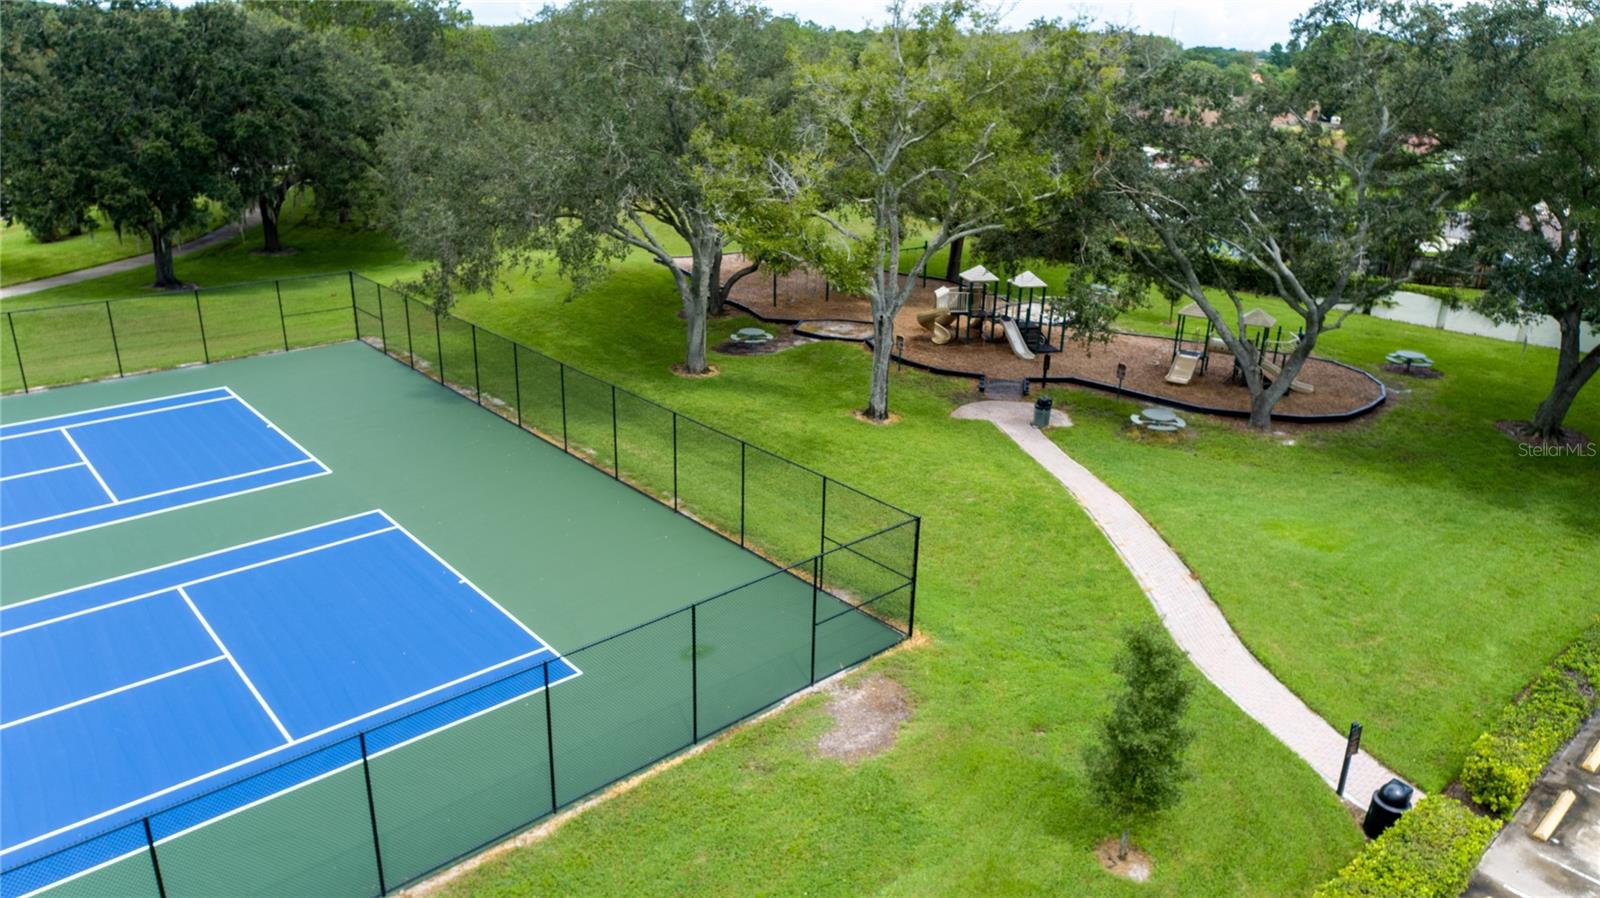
(226,232)
(1187,611)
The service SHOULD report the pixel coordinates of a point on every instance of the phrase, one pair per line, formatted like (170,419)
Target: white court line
(273,427)
(104,408)
(97,478)
(154,411)
(166,508)
(297,786)
(544,647)
(474,587)
(223,647)
(108,693)
(179,563)
(271,751)
(176,489)
(180,586)
(75,464)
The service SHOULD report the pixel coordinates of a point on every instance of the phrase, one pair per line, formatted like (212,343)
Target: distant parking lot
(1568,866)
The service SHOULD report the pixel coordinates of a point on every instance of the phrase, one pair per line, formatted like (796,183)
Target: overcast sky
(1246,24)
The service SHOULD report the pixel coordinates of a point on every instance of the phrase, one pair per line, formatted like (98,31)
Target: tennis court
(65,473)
(422,630)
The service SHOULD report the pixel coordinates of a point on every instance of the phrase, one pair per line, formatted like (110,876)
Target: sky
(1245,24)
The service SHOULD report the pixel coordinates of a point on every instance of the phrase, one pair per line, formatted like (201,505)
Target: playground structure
(975,344)
(1191,356)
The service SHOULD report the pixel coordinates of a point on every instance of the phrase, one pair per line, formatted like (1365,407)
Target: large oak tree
(1524,117)
(584,137)
(930,129)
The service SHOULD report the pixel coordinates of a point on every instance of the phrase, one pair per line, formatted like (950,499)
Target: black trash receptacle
(1041,411)
(1387,805)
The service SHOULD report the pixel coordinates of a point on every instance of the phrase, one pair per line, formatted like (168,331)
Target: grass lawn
(1410,571)
(23,258)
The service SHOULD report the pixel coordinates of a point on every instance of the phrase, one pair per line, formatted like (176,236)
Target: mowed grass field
(1410,571)
(22,258)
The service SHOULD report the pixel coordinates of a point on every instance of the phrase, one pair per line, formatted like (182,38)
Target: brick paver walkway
(1187,611)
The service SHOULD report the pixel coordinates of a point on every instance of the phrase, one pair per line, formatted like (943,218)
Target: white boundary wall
(1417,308)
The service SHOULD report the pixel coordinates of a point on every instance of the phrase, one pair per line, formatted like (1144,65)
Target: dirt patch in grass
(1137,866)
(779,342)
(711,371)
(866,714)
(1567,441)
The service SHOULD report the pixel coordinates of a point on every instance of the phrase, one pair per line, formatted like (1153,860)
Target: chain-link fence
(367,814)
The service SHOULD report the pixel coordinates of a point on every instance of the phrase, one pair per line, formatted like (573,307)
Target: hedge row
(1506,760)
(1430,853)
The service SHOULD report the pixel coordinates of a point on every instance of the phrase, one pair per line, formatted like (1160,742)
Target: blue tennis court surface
(87,469)
(123,697)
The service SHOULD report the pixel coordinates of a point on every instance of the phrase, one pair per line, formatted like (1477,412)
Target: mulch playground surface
(803,297)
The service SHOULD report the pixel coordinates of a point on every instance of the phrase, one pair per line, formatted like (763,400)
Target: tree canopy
(584,138)
(1522,119)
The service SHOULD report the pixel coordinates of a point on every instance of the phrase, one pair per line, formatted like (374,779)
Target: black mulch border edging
(1287,417)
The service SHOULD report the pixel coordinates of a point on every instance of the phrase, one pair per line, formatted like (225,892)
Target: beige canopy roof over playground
(1027,280)
(977,274)
(1252,318)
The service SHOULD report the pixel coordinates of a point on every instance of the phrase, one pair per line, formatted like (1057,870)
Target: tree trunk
(706,250)
(717,296)
(1572,373)
(952,271)
(161,254)
(271,206)
(882,352)
(1122,847)
(725,289)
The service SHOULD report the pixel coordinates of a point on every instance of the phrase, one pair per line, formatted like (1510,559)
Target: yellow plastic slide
(937,321)
(1183,368)
(1274,372)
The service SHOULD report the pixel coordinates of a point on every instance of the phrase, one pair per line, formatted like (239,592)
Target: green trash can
(1041,412)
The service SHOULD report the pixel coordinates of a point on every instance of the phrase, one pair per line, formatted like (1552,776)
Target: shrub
(1429,853)
(1506,760)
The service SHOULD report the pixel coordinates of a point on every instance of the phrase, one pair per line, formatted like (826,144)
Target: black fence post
(155,862)
(816,584)
(916,556)
(199,316)
(550,739)
(372,813)
(115,350)
(674,461)
(561,371)
(354,320)
(822,538)
(516,378)
(283,322)
(616,456)
(694,671)
(438,345)
(742,469)
(774,289)
(477,384)
(16,349)
(383,332)
(411,352)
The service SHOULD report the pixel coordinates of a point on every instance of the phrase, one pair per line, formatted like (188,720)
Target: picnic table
(1161,420)
(1409,358)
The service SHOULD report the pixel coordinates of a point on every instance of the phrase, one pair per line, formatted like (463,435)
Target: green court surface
(600,566)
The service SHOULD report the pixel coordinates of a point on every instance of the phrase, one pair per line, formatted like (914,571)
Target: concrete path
(226,232)
(1186,609)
